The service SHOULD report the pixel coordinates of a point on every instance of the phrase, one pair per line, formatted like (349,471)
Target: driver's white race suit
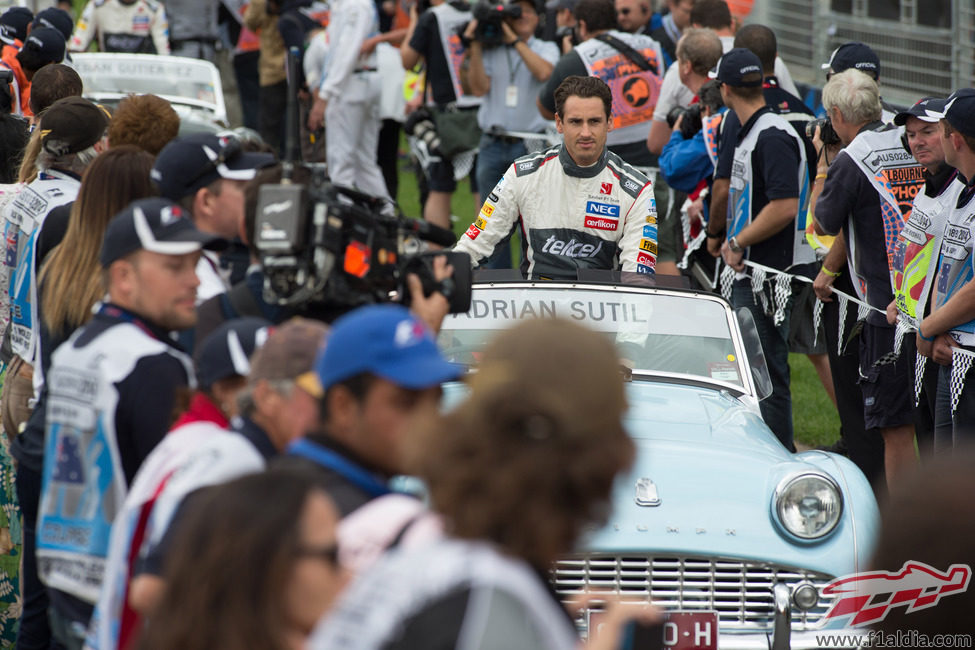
(138,27)
(598,217)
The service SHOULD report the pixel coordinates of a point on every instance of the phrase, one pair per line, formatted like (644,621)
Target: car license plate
(681,630)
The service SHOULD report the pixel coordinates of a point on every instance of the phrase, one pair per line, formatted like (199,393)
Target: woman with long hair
(253,566)
(71,278)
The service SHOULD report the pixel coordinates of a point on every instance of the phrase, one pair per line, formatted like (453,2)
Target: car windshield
(174,77)
(656,332)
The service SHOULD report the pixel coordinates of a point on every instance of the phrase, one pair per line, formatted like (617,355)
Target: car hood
(715,468)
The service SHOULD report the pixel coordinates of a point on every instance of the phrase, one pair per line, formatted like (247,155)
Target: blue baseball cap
(959,110)
(387,341)
(740,68)
(854,55)
(226,351)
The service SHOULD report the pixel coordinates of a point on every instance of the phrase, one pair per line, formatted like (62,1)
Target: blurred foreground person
(266,544)
(517,472)
(916,524)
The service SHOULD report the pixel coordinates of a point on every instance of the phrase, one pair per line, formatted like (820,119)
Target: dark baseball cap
(13,24)
(854,55)
(189,163)
(55,18)
(156,225)
(226,351)
(384,340)
(47,44)
(72,124)
(959,110)
(928,109)
(740,68)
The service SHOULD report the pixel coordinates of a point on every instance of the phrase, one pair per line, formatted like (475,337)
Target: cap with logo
(156,225)
(226,351)
(14,23)
(47,44)
(192,162)
(740,68)
(72,124)
(384,340)
(854,55)
(928,109)
(55,18)
(959,110)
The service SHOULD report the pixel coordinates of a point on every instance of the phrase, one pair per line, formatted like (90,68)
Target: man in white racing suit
(579,205)
(133,26)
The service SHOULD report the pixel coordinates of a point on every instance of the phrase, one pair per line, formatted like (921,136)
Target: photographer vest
(897,178)
(23,224)
(635,91)
(741,201)
(918,246)
(956,266)
(449,21)
(84,485)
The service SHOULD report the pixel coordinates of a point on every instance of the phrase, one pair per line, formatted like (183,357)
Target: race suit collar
(570,167)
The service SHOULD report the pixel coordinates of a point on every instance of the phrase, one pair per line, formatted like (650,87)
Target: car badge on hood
(646,493)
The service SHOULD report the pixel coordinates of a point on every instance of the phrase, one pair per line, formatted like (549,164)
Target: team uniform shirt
(919,242)
(769,164)
(571,217)
(448,593)
(956,267)
(138,28)
(23,220)
(437,39)
(509,104)
(193,455)
(635,91)
(110,390)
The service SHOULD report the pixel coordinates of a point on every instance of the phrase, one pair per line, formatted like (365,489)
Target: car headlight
(808,505)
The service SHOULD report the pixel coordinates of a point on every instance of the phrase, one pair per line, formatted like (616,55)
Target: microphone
(430,232)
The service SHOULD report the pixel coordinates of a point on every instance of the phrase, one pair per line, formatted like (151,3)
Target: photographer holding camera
(856,196)
(509,77)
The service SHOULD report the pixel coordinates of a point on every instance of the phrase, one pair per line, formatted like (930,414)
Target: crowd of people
(165,421)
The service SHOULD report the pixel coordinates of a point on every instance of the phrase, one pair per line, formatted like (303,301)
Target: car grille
(740,592)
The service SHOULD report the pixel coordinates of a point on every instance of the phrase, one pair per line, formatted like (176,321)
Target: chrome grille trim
(740,591)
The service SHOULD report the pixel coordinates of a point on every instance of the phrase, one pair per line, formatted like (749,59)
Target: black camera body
(827,134)
(709,96)
(420,125)
(324,247)
(489,17)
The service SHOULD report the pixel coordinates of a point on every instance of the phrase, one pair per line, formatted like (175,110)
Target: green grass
(813,414)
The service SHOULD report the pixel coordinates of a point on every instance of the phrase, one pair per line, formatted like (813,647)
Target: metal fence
(926,47)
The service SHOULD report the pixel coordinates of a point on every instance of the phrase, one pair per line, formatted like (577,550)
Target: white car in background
(192,86)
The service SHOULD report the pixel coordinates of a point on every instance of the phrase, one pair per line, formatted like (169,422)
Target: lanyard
(333,461)
(127,316)
(512,67)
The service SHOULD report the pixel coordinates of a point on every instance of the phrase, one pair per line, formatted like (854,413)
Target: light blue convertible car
(717,522)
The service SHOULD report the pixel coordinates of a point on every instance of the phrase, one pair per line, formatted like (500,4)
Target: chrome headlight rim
(788,482)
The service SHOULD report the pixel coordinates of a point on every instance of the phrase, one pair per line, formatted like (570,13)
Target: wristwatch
(733,245)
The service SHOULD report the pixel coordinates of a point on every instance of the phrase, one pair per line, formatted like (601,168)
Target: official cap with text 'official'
(928,109)
(156,225)
(46,44)
(384,340)
(740,68)
(854,55)
(55,18)
(959,110)
(13,24)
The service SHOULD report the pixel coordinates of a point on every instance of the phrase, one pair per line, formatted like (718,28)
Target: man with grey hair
(861,195)
(72,132)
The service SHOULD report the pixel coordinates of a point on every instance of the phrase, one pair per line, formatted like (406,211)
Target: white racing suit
(571,217)
(137,28)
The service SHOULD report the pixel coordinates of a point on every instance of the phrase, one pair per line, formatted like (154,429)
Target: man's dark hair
(749,93)
(761,41)
(51,83)
(597,14)
(713,14)
(357,385)
(575,86)
(31,60)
